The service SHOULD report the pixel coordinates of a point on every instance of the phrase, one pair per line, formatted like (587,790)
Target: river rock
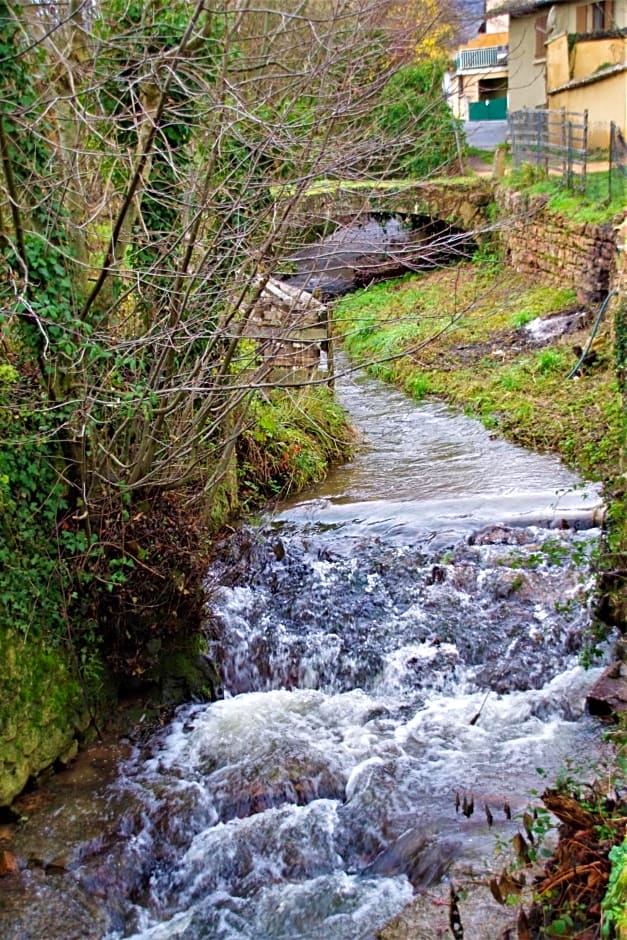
(608,695)
(415,855)
(506,583)
(290,780)
(8,864)
(498,535)
(41,904)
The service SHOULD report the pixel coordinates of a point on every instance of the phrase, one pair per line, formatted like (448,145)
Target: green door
(494,110)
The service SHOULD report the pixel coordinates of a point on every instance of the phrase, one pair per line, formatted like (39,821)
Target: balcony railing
(487,58)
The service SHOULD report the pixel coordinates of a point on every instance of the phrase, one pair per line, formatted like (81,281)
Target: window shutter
(541,35)
(582,18)
(609,15)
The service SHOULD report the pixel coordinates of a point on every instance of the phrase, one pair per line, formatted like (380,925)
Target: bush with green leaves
(413,109)
(33,585)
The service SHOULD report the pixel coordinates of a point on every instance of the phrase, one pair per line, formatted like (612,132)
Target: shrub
(413,106)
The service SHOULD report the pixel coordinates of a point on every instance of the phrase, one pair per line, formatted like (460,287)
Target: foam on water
(403,635)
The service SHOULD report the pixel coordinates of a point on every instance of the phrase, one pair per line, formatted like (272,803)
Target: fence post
(584,168)
(564,148)
(539,148)
(330,349)
(609,166)
(458,146)
(570,183)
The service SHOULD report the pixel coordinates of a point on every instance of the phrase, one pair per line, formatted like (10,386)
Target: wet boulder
(498,535)
(264,786)
(608,695)
(414,854)
(8,864)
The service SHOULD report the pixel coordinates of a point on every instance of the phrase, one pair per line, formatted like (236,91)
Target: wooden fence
(555,141)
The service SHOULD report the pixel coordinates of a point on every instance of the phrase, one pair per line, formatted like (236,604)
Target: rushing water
(402,638)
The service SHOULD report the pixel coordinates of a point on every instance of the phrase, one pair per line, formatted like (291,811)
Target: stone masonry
(546,245)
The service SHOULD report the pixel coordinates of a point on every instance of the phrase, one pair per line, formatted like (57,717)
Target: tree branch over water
(145,148)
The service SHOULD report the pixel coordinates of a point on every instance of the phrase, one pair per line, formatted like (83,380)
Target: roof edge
(523,7)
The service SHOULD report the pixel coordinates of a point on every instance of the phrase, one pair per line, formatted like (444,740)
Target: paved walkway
(485,135)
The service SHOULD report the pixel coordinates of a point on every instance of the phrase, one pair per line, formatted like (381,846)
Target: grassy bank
(598,205)
(459,335)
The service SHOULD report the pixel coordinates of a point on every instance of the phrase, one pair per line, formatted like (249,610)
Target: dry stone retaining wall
(546,245)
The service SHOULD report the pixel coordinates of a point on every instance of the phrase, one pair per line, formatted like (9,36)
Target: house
(571,55)
(477,85)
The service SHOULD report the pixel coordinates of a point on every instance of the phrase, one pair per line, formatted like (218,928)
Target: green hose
(573,372)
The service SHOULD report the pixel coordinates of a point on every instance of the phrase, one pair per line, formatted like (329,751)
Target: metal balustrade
(489,57)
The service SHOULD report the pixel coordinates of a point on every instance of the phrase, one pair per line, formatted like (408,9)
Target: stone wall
(546,245)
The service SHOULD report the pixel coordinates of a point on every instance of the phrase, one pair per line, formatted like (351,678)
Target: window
(595,17)
(541,34)
(608,15)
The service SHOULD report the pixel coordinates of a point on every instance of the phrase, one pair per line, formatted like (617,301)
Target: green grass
(521,318)
(328,186)
(323,187)
(451,334)
(486,155)
(594,206)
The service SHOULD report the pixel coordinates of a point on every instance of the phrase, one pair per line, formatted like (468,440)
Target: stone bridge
(289,325)
(462,203)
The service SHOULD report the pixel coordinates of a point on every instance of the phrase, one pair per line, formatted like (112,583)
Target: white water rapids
(360,629)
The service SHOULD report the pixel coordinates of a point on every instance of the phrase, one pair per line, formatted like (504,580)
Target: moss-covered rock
(42,709)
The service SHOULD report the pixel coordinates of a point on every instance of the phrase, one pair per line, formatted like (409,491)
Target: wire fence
(617,163)
(555,141)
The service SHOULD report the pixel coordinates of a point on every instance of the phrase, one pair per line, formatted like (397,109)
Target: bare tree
(155,157)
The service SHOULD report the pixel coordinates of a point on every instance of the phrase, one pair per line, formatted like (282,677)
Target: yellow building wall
(526,87)
(605,101)
(486,40)
(590,54)
(557,62)
(587,57)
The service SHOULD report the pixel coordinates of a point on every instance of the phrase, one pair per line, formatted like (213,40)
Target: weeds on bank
(292,439)
(594,206)
(578,888)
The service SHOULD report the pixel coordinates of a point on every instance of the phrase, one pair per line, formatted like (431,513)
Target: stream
(396,644)
(361,251)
